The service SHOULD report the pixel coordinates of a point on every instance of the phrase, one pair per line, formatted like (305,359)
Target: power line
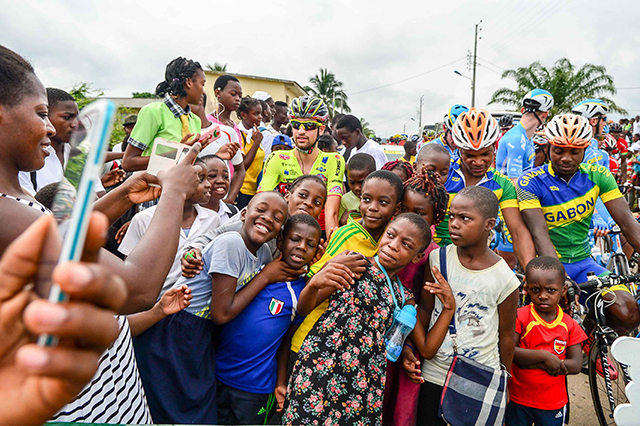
(486,67)
(497,66)
(407,79)
(627,88)
(391,119)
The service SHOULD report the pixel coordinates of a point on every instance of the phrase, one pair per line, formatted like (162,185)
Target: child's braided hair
(176,75)
(426,183)
(397,164)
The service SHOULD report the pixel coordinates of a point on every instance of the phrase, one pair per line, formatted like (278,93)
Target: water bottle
(596,254)
(402,325)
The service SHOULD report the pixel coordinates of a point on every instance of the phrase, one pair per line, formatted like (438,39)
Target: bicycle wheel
(598,386)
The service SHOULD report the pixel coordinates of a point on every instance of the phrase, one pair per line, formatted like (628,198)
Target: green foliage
(117,134)
(216,67)
(568,85)
(326,87)
(366,129)
(84,94)
(146,95)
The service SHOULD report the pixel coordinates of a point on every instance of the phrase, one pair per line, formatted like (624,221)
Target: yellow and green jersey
(567,206)
(494,180)
(351,236)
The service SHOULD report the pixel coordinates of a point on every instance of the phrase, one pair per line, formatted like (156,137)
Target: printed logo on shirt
(336,190)
(284,156)
(554,188)
(559,346)
(275,306)
(455,178)
(324,160)
(322,169)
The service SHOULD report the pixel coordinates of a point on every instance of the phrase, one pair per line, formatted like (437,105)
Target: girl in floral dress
(339,376)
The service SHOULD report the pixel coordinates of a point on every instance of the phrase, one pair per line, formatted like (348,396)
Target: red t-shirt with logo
(536,388)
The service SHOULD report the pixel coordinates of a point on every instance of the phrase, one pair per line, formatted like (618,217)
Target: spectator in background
(128,124)
(326,143)
(636,125)
(341,148)
(280,118)
(349,132)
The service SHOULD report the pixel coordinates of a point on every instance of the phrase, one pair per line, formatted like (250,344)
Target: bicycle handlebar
(608,281)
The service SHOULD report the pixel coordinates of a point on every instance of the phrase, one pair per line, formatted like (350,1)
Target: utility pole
(420,116)
(475,62)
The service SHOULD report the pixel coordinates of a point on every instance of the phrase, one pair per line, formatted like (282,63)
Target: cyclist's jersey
(567,206)
(515,153)
(282,168)
(453,155)
(494,180)
(595,155)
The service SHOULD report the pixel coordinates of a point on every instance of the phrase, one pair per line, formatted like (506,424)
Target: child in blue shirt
(246,360)
(179,350)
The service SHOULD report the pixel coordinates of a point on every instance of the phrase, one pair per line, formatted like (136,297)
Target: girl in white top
(486,299)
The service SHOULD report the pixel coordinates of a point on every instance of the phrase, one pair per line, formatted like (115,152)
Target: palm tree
(217,67)
(366,129)
(567,84)
(325,86)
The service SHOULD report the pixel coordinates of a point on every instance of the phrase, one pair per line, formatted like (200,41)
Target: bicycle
(607,377)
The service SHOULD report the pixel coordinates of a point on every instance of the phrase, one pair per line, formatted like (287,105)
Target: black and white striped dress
(115,394)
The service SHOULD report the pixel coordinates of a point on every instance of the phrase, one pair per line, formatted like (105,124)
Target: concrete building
(280,90)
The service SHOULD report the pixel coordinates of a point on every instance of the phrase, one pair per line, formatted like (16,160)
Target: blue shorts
(520,415)
(577,271)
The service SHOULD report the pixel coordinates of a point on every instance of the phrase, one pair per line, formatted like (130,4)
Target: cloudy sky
(387,53)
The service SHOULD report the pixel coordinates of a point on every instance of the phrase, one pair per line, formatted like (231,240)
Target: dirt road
(582,412)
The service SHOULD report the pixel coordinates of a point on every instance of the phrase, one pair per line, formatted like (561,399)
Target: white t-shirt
(223,212)
(636,128)
(477,294)
(267,138)
(375,150)
(228,134)
(205,221)
(51,172)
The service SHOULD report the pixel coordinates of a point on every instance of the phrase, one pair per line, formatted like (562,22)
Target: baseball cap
(130,119)
(282,140)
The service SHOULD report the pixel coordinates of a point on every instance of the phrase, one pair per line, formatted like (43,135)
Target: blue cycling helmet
(590,108)
(537,100)
(452,115)
(415,138)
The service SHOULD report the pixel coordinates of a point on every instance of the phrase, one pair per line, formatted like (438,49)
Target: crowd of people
(255,281)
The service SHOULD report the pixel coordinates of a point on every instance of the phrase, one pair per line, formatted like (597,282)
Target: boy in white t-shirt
(486,296)
(196,221)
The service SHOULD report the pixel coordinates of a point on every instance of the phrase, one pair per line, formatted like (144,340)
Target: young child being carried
(486,299)
(548,349)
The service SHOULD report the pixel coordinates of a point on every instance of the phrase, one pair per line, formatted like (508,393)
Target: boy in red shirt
(548,348)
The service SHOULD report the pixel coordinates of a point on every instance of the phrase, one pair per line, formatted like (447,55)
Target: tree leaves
(567,84)
(326,87)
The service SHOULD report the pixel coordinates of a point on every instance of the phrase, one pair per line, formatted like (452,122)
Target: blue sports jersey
(453,155)
(595,155)
(246,355)
(515,153)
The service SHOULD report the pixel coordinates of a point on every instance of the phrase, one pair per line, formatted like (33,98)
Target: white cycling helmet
(537,100)
(590,108)
(569,131)
(475,129)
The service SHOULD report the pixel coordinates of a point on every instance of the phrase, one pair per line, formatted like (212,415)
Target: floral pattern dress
(340,372)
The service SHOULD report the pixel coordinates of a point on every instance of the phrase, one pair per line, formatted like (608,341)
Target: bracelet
(410,347)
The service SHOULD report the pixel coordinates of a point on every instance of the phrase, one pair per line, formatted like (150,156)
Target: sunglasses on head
(308,125)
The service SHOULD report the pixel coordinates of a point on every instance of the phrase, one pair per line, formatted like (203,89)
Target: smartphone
(165,154)
(72,203)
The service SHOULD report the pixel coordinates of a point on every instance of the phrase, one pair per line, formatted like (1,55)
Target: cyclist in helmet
(540,143)
(558,199)
(622,149)
(594,110)
(610,145)
(445,139)
(516,151)
(308,117)
(475,133)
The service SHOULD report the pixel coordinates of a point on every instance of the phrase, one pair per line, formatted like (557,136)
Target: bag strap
(34,180)
(443,271)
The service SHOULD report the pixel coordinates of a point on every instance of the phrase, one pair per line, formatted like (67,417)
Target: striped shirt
(351,236)
(115,394)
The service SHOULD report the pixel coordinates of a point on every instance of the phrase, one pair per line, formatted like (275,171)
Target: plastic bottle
(397,334)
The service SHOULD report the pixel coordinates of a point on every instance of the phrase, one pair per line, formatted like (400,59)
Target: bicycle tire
(597,386)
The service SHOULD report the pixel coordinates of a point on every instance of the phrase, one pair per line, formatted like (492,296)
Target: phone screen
(75,195)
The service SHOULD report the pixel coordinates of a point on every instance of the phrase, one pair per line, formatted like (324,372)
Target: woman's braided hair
(176,74)
(397,164)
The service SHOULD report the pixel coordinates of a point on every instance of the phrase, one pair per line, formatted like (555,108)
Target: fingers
(96,237)
(74,365)
(19,264)
(94,327)
(438,276)
(90,282)
(192,154)
(188,140)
